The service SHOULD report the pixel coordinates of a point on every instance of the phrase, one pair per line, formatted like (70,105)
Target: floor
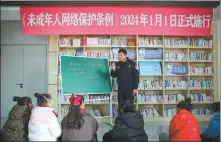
(152,130)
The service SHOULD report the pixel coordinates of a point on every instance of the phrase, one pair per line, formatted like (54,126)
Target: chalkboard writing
(85,75)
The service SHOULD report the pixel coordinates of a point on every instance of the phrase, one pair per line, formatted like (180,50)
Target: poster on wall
(116,20)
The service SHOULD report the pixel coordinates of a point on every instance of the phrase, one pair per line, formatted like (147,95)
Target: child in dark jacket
(16,127)
(129,127)
(213,131)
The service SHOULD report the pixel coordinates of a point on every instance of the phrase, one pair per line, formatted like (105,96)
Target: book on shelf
(149,41)
(123,42)
(200,42)
(176,42)
(144,98)
(79,53)
(172,56)
(173,98)
(202,112)
(173,69)
(98,41)
(175,84)
(202,84)
(149,112)
(150,54)
(62,42)
(150,68)
(104,55)
(201,57)
(197,70)
(150,84)
(201,98)
(77,42)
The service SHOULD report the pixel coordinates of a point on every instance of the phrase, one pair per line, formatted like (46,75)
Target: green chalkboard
(82,75)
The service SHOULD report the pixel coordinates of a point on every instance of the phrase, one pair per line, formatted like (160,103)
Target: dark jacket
(129,127)
(86,133)
(16,127)
(127,75)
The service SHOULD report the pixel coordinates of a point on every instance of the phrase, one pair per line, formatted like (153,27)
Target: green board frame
(82,75)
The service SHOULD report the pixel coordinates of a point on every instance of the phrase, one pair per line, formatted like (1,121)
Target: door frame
(46,65)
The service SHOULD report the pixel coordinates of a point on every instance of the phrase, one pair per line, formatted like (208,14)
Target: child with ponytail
(43,124)
(78,125)
(16,127)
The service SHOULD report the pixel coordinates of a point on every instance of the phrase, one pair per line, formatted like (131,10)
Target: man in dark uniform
(127,78)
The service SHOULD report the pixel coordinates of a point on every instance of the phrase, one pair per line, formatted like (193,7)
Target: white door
(21,64)
(11,75)
(35,60)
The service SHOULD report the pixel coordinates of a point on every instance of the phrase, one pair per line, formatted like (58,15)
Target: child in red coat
(184,126)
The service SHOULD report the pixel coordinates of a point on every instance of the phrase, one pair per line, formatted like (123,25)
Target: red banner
(116,20)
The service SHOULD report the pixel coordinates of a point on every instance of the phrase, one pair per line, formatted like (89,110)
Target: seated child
(43,124)
(184,126)
(16,127)
(129,126)
(213,130)
(78,125)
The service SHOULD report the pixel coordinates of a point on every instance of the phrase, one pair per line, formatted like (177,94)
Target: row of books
(93,112)
(150,98)
(201,57)
(173,98)
(148,41)
(178,84)
(171,42)
(201,43)
(70,42)
(98,55)
(202,84)
(201,111)
(201,98)
(175,56)
(201,70)
(145,98)
(95,41)
(149,112)
(90,99)
(142,41)
(150,84)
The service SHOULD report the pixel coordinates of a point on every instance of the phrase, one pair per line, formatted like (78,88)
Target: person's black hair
(43,99)
(74,117)
(216,107)
(122,51)
(128,107)
(22,100)
(186,104)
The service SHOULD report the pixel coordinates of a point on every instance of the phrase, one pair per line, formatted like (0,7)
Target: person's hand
(134,91)
(113,67)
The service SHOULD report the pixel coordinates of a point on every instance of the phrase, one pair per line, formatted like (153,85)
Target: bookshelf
(157,94)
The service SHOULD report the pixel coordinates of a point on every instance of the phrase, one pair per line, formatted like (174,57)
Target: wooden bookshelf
(168,44)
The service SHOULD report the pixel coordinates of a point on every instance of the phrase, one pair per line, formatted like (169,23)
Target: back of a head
(43,99)
(22,100)
(128,107)
(216,107)
(186,104)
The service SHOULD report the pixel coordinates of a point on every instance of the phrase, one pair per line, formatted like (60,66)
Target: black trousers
(124,95)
